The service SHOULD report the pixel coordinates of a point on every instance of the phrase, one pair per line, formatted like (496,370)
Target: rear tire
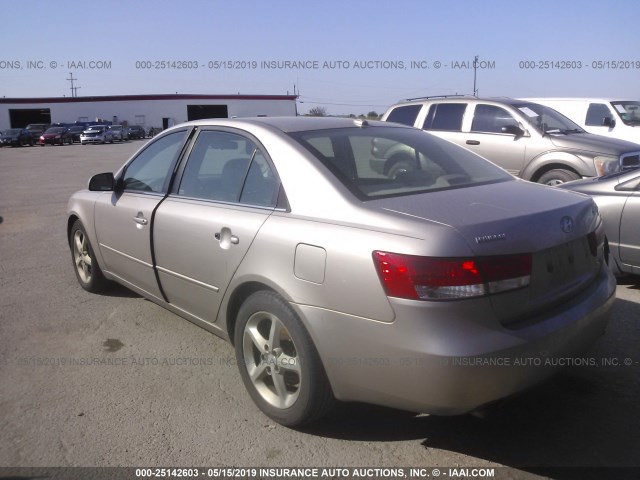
(558,177)
(278,363)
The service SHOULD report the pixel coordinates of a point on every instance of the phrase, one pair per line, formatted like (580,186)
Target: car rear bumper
(450,359)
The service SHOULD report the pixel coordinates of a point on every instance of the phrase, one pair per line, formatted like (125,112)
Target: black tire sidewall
(97,281)
(313,379)
(560,174)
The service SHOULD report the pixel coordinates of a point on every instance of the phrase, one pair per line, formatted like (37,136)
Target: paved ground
(114,380)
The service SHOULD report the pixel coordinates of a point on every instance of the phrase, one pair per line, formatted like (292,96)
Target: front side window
(415,162)
(596,114)
(227,167)
(150,170)
(629,112)
(491,119)
(445,117)
(546,120)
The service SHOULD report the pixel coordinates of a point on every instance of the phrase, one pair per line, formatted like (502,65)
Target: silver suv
(526,139)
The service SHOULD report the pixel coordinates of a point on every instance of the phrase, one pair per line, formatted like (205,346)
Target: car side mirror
(512,130)
(608,122)
(102,182)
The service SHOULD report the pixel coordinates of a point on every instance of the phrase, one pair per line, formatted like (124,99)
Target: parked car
(16,137)
(136,131)
(75,132)
(616,118)
(96,134)
(56,136)
(118,132)
(334,281)
(618,197)
(527,139)
(36,130)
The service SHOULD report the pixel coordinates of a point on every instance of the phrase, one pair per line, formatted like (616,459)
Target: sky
(345,56)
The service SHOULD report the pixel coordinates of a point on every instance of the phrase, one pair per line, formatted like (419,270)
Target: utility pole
(74,90)
(475,69)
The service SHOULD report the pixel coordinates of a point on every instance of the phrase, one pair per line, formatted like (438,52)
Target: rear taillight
(431,278)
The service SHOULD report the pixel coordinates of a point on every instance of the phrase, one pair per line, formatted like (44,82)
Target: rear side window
(227,167)
(445,116)
(406,114)
(596,114)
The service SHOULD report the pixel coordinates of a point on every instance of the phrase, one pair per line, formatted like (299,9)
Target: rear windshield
(378,162)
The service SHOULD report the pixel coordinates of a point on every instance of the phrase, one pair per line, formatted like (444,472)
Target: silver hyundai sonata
(439,289)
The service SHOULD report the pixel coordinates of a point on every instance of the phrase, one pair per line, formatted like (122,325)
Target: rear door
(203,230)
(123,219)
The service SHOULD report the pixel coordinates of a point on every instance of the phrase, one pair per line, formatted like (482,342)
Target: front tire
(400,164)
(278,363)
(85,264)
(558,177)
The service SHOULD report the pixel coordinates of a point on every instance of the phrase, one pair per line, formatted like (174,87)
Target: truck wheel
(558,177)
(399,164)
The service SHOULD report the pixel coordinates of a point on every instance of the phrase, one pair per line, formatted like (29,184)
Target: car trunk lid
(517,217)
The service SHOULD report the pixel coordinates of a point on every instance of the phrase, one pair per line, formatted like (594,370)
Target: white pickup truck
(602,116)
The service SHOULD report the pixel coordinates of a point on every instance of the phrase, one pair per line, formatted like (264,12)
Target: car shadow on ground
(114,289)
(586,416)
(630,281)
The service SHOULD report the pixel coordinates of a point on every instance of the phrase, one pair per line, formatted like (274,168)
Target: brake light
(431,278)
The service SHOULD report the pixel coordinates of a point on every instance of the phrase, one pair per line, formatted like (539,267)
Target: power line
(74,90)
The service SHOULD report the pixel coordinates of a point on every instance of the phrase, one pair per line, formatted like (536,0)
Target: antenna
(74,90)
(475,70)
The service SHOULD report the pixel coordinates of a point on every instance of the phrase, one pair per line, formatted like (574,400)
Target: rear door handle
(225,237)
(140,220)
(473,142)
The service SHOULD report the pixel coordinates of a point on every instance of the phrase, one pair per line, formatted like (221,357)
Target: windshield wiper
(572,130)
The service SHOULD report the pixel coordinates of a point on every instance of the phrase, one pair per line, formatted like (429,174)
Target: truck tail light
(431,278)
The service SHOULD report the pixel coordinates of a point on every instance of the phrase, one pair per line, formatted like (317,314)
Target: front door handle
(473,142)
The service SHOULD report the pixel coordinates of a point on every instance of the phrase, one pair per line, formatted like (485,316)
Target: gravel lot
(114,380)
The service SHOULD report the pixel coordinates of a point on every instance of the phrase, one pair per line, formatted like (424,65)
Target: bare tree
(318,112)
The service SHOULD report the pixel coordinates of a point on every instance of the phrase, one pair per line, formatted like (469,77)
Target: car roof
(580,99)
(294,124)
(458,99)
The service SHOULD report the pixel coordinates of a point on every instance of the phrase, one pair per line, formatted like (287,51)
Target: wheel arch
(70,221)
(557,161)
(547,167)
(239,294)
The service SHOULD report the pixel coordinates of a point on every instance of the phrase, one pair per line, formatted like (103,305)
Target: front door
(124,218)
(629,232)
